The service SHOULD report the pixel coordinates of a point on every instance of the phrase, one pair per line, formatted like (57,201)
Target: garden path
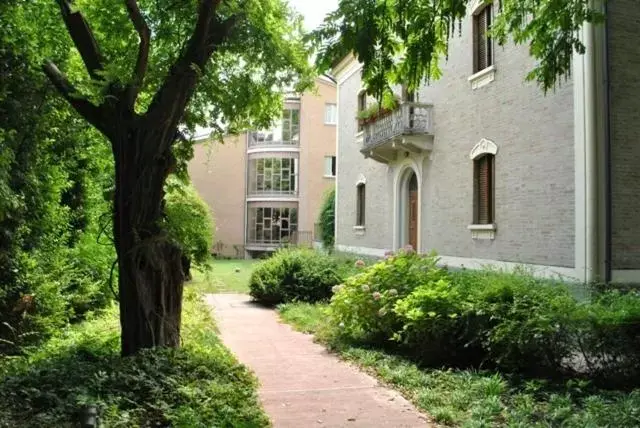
(303,385)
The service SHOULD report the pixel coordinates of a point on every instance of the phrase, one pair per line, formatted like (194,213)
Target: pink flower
(376,296)
(409,248)
(359,263)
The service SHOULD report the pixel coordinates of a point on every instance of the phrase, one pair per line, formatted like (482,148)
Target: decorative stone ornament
(484,147)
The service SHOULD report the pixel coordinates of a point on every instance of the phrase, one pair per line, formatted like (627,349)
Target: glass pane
(286,163)
(259,234)
(260,182)
(267,163)
(260,165)
(295,117)
(285,212)
(267,234)
(267,212)
(284,224)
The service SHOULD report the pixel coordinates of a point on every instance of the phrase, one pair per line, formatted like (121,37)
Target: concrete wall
(624,54)
(317,140)
(534,167)
(218,173)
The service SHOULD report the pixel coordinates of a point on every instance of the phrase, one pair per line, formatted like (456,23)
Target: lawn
(470,398)
(198,385)
(225,276)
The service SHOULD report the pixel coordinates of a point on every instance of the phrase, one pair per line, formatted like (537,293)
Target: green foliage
(328,218)
(55,248)
(294,275)
(473,398)
(403,41)
(189,221)
(199,385)
(363,306)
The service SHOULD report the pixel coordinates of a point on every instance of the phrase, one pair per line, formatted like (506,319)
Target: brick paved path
(302,385)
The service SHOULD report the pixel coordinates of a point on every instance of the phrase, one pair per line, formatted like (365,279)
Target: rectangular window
(272,175)
(329,166)
(271,226)
(360,205)
(330,114)
(362,106)
(483,189)
(482,52)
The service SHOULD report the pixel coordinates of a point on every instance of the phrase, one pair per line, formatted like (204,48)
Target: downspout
(608,186)
(591,165)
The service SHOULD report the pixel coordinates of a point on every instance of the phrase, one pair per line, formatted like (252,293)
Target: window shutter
(483,190)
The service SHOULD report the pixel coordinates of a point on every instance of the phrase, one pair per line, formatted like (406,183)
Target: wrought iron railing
(408,119)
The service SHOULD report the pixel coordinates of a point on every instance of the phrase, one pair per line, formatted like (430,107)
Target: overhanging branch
(82,37)
(82,105)
(140,24)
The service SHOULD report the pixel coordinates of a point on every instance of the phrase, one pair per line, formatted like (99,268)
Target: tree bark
(150,265)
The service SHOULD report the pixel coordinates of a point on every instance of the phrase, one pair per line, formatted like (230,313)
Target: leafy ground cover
(224,276)
(475,398)
(199,385)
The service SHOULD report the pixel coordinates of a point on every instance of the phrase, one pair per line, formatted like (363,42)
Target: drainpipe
(591,166)
(608,197)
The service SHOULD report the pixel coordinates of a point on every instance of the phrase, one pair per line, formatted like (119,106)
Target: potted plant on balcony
(376,111)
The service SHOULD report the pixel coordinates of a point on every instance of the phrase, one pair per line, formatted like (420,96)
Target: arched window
(483,156)
(362,106)
(360,204)
(483,189)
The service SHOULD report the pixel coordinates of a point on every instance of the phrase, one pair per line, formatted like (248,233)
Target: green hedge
(513,321)
(295,275)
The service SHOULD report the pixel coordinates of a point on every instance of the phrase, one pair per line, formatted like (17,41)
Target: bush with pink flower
(365,303)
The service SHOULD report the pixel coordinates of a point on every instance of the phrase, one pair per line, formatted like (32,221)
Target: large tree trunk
(150,266)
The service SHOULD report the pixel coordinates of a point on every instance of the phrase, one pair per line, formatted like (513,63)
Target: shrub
(327,219)
(294,275)
(607,333)
(521,322)
(363,306)
(189,222)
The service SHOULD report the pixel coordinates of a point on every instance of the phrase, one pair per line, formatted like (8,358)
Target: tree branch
(142,61)
(82,37)
(83,106)
(169,102)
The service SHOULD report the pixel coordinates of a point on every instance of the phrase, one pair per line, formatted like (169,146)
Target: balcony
(408,128)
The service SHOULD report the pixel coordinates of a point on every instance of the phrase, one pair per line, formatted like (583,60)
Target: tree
(402,41)
(153,70)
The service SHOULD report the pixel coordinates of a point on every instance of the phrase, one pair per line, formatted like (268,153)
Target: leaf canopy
(402,41)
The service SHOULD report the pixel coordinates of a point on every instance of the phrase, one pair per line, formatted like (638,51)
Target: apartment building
(265,187)
(484,168)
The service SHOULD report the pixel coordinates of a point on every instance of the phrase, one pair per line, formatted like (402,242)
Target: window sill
(329,176)
(483,231)
(359,136)
(483,77)
(359,230)
(330,124)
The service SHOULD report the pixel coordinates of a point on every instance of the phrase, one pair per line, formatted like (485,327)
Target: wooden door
(413,212)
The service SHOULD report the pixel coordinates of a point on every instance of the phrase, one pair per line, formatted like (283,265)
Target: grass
(471,398)
(198,385)
(225,276)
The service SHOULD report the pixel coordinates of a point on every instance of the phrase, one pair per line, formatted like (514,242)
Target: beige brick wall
(218,174)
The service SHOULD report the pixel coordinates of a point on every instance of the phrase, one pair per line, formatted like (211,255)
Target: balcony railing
(408,119)
(252,193)
(261,140)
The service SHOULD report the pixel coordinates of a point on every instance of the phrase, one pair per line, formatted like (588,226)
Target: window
(362,106)
(273,175)
(483,189)
(360,205)
(482,52)
(329,166)
(330,114)
(272,225)
(291,126)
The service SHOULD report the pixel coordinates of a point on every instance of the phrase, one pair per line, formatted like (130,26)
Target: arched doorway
(407,228)
(412,211)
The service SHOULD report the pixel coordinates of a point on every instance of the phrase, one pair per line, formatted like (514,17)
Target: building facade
(485,168)
(265,187)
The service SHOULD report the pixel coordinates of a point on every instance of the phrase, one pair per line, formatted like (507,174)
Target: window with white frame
(271,225)
(329,166)
(273,175)
(330,114)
